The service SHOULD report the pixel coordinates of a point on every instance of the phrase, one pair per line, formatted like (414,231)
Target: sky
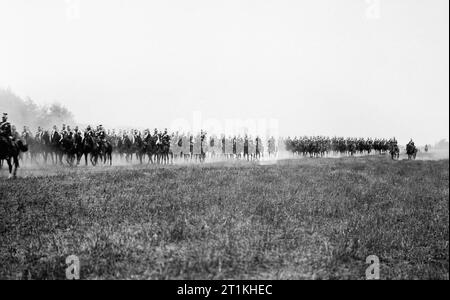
(363,68)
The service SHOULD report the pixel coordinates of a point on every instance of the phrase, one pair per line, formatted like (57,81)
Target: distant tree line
(25,112)
(442,144)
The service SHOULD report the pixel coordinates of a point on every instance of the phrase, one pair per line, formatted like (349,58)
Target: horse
(105,151)
(139,148)
(78,147)
(32,147)
(46,146)
(150,147)
(127,148)
(411,150)
(91,147)
(68,148)
(56,147)
(394,151)
(10,150)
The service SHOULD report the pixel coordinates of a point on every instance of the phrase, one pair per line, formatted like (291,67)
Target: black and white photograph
(224,145)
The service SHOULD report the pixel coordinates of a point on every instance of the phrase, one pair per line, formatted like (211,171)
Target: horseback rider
(14,133)
(69,131)
(63,130)
(146,134)
(166,137)
(77,135)
(39,134)
(25,132)
(101,133)
(411,143)
(88,131)
(8,132)
(5,128)
(54,131)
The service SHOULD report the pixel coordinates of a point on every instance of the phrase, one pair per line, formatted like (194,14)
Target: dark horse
(10,150)
(46,146)
(105,151)
(78,146)
(394,151)
(68,148)
(411,150)
(91,147)
(150,147)
(163,153)
(139,148)
(56,148)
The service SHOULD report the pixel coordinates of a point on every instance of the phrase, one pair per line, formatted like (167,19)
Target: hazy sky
(348,67)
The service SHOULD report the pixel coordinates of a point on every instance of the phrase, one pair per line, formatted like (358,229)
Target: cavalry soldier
(101,134)
(5,128)
(69,131)
(88,131)
(136,134)
(411,143)
(39,134)
(76,132)
(55,130)
(15,135)
(26,134)
(165,137)
(63,130)
(146,134)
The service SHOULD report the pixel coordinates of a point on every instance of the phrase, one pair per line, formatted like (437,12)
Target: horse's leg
(16,166)
(10,167)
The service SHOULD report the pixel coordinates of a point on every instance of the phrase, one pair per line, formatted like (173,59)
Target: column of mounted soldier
(97,145)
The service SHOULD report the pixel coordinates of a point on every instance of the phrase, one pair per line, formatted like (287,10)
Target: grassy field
(296,219)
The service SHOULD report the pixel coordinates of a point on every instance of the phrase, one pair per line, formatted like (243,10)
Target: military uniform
(39,134)
(5,129)
(101,134)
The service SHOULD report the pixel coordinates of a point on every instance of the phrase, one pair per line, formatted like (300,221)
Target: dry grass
(303,219)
